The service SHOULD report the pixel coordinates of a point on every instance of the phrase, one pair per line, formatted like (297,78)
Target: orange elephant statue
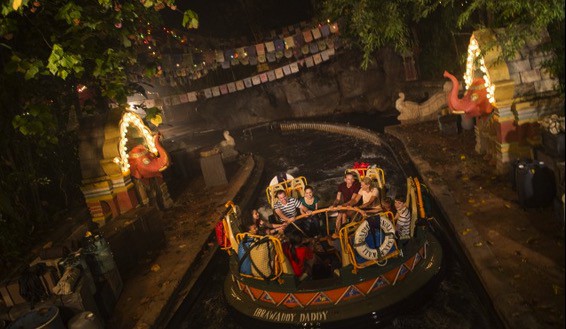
(474,103)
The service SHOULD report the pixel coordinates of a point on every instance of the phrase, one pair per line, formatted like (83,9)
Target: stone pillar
(212,168)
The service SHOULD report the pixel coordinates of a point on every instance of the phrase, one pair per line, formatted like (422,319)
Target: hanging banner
(240,85)
(279,45)
(219,56)
(260,48)
(289,42)
(309,61)
(330,51)
(256,80)
(287,70)
(325,55)
(307,35)
(270,57)
(263,77)
(316,33)
(317,59)
(223,89)
(208,93)
(294,67)
(192,96)
(183,98)
(325,30)
(270,75)
(279,73)
(248,82)
(215,91)
(313,48)
(269,46)
(231,87)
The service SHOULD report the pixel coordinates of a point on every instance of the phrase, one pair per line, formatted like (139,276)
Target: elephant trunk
(456,105)
(163,159)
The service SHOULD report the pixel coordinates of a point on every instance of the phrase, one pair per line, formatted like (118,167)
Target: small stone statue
(412,111)
(227,147)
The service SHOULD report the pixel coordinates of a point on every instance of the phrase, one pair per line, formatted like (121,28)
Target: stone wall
(337,86)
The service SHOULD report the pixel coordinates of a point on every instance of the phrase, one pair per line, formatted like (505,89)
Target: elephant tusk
(457,112)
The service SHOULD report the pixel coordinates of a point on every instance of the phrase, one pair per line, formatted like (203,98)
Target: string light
(474,54)
(132,119)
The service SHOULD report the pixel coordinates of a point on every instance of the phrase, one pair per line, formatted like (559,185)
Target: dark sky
(237,18)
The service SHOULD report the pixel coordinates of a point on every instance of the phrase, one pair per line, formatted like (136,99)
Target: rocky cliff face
(337,86)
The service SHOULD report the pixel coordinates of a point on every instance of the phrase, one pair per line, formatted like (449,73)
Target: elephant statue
(474,103)
(146,168)
(144,164)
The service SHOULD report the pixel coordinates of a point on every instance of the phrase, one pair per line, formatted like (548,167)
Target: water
(458,302)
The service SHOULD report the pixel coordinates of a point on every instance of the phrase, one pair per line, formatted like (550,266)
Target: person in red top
(300,254)
(346,197)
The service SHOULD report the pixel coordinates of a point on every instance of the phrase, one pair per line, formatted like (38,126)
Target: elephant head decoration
(475,102)
(144,164)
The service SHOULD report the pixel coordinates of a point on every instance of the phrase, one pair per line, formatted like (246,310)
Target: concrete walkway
(517,254)
(154,291)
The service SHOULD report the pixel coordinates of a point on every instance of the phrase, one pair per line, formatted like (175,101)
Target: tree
(53,53)
(375,24)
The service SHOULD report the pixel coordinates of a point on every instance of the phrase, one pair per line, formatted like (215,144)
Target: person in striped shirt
(287,208)
(402,218)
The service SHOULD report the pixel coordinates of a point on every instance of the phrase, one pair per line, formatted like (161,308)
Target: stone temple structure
(521,91)
(108,185)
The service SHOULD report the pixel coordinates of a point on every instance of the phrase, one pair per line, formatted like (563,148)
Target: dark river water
(457,301)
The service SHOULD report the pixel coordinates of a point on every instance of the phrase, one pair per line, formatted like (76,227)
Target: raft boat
(371,278)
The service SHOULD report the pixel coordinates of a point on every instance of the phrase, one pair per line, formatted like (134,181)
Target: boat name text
(277,316)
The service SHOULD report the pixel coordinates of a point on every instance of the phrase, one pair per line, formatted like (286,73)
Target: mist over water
(322,159)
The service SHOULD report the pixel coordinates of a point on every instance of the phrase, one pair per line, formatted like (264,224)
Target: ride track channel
(455,299)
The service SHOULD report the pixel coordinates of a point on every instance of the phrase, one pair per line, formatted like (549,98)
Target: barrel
(42,318)
(103,255)
(85,320)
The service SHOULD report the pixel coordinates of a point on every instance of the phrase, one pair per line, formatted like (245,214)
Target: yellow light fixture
(132,119)
(474,56)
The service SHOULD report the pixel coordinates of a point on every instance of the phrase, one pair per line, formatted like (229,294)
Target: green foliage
(62,64)
(190,19)
(375,24)
(47,50)
(37,122)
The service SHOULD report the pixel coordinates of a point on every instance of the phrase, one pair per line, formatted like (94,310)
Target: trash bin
(85,320)
(41,318)
(448,124)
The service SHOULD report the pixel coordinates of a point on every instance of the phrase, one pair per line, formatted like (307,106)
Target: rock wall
(337,86)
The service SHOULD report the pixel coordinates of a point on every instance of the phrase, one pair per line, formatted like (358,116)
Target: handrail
(422,212)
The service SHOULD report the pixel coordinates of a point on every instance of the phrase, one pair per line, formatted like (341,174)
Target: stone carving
(413,111)
(227,147)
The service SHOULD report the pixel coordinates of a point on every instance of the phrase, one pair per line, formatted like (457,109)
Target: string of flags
(248,82)
(297,42)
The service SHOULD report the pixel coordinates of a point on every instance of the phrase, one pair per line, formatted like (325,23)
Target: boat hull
(370,295)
